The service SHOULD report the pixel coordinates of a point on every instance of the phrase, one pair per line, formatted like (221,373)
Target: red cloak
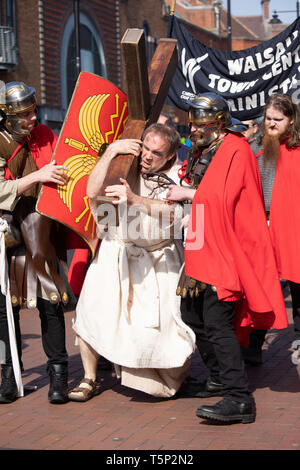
(236,255)
(285,214)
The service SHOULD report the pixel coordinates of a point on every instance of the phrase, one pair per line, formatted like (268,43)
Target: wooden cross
(146,93)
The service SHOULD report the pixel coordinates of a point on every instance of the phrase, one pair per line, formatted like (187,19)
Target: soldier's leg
(238,404)
(218,321)
(192,315)
(8,388)
(54,344)
(295,294)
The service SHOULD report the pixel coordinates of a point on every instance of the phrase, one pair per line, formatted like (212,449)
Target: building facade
(39,40)
(41,36)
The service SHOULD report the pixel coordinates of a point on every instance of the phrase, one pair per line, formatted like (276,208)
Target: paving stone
(123,419)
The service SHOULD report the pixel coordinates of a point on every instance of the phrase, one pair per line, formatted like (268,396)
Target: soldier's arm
(50,173)
(180,193)
(8,189)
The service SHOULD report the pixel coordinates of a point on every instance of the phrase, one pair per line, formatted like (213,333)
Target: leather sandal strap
(87,381)
(79,390)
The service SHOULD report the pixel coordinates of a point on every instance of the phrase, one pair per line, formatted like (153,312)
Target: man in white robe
(128,310)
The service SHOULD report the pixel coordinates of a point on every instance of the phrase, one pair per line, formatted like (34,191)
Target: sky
(253,7)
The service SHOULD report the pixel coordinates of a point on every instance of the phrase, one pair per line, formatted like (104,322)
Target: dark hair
(284,103)
(166,132)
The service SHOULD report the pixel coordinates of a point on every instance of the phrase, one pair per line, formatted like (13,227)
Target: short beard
(271,146)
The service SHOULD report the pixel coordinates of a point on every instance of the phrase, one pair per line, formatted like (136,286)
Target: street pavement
(122,419)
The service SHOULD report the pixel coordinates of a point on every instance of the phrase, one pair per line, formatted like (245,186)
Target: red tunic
(237,256)
(285,214)
(41,143)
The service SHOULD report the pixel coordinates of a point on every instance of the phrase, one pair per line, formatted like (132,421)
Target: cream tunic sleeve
(8,189)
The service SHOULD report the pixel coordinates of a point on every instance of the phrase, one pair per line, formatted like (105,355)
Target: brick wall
(28,68)
(40,27)
(55,15)
(134,12)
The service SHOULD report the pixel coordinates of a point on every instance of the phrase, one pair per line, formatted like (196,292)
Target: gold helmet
(209,107)
(210,113)
(17,97)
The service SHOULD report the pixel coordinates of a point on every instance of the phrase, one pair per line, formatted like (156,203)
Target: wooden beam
(135,66)
(159,76)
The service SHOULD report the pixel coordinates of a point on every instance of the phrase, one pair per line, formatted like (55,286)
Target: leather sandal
(84,393)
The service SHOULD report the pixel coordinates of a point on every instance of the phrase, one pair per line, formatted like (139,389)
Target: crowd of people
(196,261)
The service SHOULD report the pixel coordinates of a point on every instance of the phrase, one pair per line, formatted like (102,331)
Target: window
(10,13)
(91,55)
(150,42)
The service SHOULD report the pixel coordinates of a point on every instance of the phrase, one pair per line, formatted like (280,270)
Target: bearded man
(280,175)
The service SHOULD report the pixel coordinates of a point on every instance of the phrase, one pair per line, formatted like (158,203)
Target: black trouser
(295,294)
(4,336)
(52,326)
(212,322)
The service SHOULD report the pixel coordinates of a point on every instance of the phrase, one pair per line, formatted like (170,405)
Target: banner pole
(229,32)
(171,18)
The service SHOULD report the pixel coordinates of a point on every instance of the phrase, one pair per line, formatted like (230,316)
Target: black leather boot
(252,355)
(8,389)
(229,411)
(58,392)
(194,389)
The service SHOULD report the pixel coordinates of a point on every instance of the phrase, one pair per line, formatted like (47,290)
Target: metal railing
(8,52)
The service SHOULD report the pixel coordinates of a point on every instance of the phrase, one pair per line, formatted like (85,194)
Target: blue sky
(253,7)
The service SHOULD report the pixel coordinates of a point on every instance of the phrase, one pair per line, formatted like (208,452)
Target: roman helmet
(237,126)
(210,112)
(16,98)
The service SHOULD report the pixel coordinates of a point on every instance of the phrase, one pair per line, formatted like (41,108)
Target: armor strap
(188,286)
(17,278)
(41,256)
(198,163)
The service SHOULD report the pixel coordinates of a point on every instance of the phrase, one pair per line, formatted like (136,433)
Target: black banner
(244,78)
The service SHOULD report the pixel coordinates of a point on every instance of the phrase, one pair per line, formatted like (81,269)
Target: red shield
(97,114)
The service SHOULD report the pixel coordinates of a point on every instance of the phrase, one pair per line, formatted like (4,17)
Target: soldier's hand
(179,193)
(52,173)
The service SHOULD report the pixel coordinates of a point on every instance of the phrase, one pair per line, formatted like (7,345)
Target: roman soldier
(228,254)
(26,148)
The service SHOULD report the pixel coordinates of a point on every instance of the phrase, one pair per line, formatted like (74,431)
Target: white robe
(128,310)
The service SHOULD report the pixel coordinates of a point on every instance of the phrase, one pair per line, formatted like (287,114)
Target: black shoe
(58,392)
(252,357)
(228,410)
(8,389)
(193,389)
